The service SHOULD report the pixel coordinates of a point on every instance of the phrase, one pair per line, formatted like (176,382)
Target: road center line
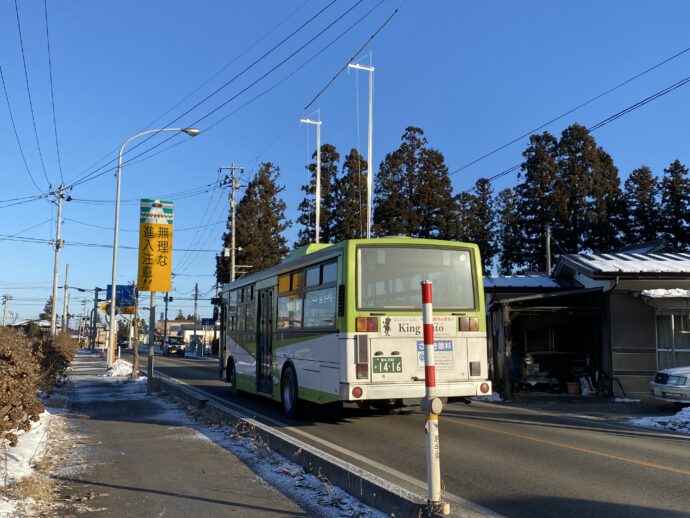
(557,444)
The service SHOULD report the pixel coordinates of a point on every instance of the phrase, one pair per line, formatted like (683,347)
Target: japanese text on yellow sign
(155,245)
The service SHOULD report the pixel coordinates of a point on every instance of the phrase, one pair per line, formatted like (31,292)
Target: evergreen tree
(577,155)
(508,235)
(534,201)
(329,171)
(460,230)
(642,210)
(413,194)
(675,206)
(46,314)
(480,222)
(180,315)
(350,204)
(260,222)
(605,213)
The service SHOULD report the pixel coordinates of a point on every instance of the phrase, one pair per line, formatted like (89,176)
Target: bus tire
(232,378)
(289,391)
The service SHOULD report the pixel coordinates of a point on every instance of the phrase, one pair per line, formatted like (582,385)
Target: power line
(371,38)
(36,240)
(16,134)
(28,91)
(271,88)
(52,95)
(582,105)
(603,122)
(93,174)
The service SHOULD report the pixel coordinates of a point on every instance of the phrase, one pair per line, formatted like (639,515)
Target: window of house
(672,340)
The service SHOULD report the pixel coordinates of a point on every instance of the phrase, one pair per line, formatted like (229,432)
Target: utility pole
(65,299)
(5,299)
(196,298)
(370,144)
(166,299)
(234,185)
(548,249)
(59,195)
(317,193)
(92,335)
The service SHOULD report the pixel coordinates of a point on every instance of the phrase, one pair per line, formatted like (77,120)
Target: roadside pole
(152,334)
(432,407)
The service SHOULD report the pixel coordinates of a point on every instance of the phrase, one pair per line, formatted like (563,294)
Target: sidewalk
(131,456)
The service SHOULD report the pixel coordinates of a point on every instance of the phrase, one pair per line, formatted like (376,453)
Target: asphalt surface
(519,462)
(135,459)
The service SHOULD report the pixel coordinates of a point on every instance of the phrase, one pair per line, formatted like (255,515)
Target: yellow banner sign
(155,246)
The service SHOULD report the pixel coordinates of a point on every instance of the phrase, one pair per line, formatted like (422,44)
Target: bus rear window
(390,277)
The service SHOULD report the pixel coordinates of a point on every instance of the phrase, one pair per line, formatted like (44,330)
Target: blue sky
(473,75)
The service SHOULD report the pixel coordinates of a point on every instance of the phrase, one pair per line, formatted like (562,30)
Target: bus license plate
(385,364)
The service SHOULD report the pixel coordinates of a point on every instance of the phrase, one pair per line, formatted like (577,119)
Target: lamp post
(192,132)
(370,138)
(317,192)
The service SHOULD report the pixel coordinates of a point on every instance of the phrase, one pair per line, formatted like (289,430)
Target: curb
(367,487)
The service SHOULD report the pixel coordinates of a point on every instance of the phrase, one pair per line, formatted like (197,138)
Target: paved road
(517,462)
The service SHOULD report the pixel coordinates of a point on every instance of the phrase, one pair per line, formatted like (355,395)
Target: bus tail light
(367,324)
(484,388)
(357,392)
(362,357)
(469,324)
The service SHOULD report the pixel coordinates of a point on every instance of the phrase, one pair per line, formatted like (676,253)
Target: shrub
(57,354)
(20,372)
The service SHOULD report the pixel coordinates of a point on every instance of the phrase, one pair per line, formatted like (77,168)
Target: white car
(672,385)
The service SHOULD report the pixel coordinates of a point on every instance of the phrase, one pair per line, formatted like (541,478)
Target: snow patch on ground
(679,422)
(315,494)
(626,400)
(494,396)
(22,458)
(119,368)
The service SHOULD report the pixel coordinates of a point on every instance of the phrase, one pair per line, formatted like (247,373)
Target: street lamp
(192,132)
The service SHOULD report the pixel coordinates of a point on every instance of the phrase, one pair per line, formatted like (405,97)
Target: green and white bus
(343,322)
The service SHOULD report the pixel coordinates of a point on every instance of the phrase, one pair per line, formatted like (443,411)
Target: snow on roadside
(119,368)
(494,396)
(318,496)
(22,458)
(679,422)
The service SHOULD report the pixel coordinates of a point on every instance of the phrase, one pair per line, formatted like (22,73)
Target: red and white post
(432,407)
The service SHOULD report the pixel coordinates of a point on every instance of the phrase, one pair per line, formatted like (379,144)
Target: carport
(545,340)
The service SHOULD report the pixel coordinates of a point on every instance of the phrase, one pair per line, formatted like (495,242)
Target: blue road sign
(124,293)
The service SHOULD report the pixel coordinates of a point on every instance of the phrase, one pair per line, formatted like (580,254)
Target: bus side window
(330,272)
(319,308)
(290,312)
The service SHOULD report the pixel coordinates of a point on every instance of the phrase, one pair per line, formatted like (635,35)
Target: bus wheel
(232,379)
(288,393)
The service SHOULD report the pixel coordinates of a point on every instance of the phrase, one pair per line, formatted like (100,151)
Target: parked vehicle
(174,345)
(672,385)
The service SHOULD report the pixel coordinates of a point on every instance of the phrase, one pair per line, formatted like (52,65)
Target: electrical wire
(222,105)
(52,95)
(371,38)
(565,114)
(603,122)
(28,91)
(93,174)
(14,127)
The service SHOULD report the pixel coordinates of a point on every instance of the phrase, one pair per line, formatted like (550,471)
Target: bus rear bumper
(411,390)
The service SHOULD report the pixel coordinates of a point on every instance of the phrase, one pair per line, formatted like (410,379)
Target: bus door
(264,342)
